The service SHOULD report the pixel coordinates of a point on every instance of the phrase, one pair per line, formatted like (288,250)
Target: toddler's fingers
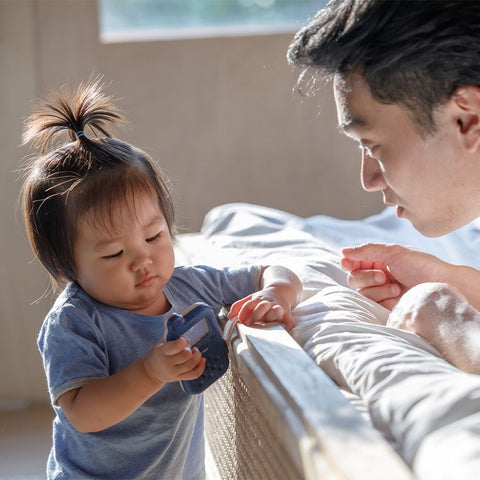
(184,356)
(195,371)
(255,313)
(237,306)
(246,311)
(173,347)
(187,359)
(275,314)
(279,314)
(289,321)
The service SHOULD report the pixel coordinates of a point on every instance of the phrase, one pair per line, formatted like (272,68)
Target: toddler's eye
(115,255)
(152,239)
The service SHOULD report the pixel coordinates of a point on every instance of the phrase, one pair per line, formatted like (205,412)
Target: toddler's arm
(281,290)
(105,402)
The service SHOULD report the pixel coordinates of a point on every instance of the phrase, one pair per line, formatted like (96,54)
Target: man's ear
(467,111)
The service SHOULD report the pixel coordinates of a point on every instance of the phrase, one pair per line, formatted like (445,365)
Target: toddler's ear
(466,101)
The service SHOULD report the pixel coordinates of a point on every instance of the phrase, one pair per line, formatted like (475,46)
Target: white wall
(218,114)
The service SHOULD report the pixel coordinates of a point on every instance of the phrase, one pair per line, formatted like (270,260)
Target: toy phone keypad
(199,325)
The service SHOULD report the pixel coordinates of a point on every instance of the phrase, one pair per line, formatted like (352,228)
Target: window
(129,20)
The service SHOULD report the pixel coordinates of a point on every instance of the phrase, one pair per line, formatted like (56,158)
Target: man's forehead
(340,89)
(348,117)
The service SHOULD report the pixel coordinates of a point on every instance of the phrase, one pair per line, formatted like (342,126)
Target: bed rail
(276,415)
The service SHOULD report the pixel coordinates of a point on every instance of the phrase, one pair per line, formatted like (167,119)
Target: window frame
(200,32)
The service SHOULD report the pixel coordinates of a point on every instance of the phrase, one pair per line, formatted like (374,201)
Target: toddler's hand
(262,306)
(172,361)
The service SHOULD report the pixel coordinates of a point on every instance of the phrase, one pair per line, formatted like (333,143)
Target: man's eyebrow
(352,122)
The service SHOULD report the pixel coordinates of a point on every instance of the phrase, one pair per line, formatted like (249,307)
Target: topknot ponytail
(71,113)
(84,175)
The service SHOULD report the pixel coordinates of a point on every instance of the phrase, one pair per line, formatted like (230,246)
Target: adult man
(406,77)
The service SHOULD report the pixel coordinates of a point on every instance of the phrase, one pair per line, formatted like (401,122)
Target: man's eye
(152,239)
(115,255)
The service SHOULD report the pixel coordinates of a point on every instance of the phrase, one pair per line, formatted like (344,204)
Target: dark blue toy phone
(199,324)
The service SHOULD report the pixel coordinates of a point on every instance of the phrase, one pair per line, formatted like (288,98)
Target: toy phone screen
(197,332)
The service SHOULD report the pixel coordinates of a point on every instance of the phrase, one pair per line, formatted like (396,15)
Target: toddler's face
(127,262)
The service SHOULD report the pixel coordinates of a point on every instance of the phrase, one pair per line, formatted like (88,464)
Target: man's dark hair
(410,52)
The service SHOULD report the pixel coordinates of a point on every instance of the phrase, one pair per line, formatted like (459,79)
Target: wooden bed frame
(276,415)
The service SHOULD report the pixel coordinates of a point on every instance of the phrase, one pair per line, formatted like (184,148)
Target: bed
(342,397)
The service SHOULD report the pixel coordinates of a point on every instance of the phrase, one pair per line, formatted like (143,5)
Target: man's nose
(371,174)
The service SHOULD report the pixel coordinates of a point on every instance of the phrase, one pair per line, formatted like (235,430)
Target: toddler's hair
(89,173)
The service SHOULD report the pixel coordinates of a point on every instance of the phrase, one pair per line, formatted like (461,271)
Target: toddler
(99,217)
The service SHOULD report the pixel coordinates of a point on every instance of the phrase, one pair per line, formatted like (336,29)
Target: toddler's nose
(140,261)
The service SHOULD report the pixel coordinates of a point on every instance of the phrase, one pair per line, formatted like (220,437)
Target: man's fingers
(390,303)
(384,294)
(366,278)
(350,265)
(372,252)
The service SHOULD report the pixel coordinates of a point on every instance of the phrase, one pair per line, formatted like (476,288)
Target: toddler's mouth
(146,281)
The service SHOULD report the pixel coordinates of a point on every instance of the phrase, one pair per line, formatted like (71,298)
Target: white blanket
(426,408)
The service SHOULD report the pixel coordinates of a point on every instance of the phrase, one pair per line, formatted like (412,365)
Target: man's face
(428,179)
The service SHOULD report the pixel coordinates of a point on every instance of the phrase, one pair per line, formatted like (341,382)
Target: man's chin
(432,229)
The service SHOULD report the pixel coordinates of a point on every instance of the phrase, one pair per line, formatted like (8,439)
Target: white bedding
(427,409)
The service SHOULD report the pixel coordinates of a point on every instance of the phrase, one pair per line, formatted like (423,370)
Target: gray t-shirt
(83,339)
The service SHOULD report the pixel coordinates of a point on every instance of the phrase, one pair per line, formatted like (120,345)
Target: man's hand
(384,273)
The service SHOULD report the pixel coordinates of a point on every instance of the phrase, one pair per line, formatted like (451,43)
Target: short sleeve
(72,349)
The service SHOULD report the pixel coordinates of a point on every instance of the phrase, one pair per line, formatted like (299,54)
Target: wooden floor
(25,440)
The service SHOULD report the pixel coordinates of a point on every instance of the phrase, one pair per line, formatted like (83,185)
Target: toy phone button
(178,323)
